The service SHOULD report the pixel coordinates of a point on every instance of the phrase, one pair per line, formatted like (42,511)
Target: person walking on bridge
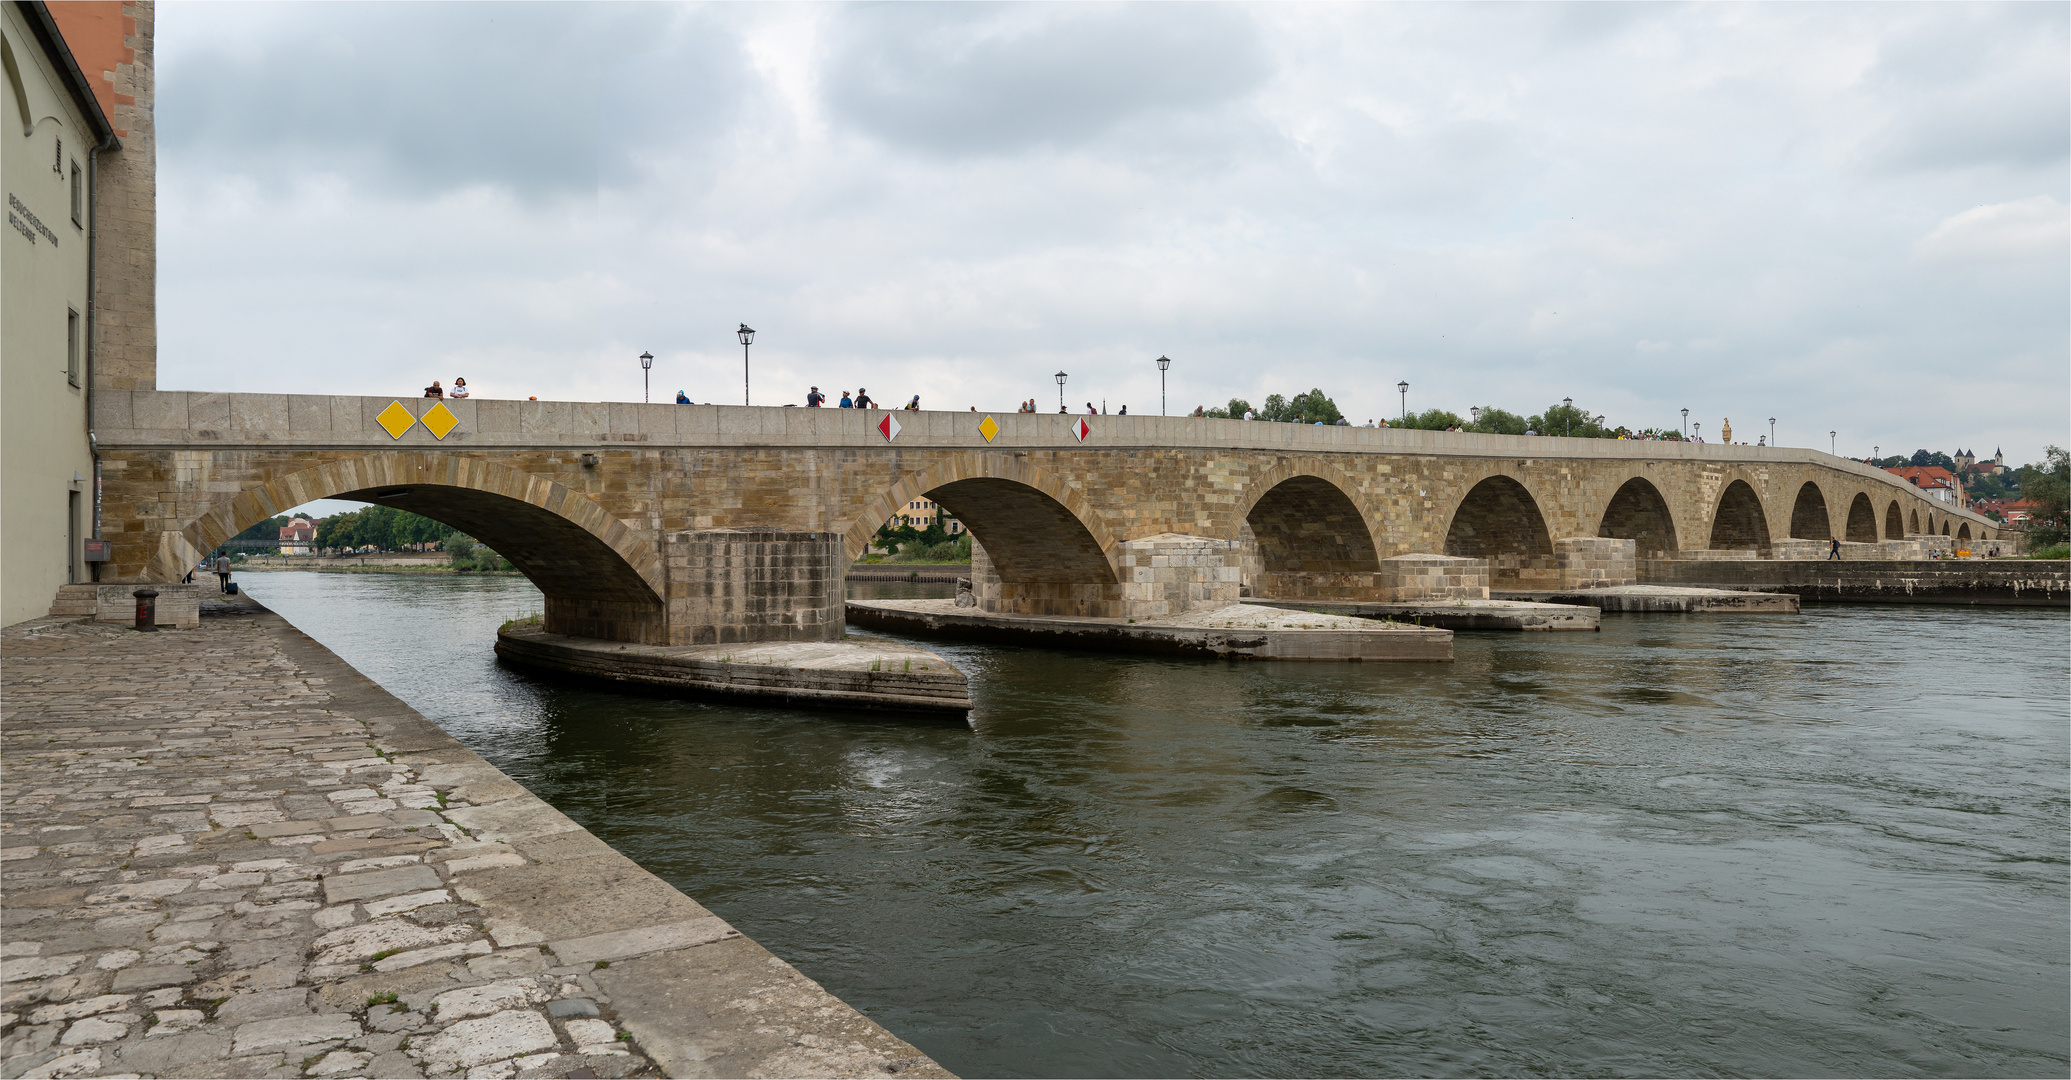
(1834,552)
(222,572)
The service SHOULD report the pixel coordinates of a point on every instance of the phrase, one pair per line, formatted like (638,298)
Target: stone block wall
(1715,554)
(748,585)
(1409,578)
(1593,562)
(177,605)
(1316,586)
(1173,573)
(1816,550)
(1929,543)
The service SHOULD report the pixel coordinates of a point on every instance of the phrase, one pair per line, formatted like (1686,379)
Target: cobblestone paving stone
(209,868)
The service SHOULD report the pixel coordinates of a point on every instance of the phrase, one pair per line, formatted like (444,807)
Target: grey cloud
(990,79)
(1987,91)
(425,97)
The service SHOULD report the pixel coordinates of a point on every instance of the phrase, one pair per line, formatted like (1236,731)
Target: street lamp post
(1476,410)
(1696,431)
(1567,404)
(1833,444)
(1061,376)
(1403,389)
(1686,421)
(1772,431)
(1163,363)
(646,365)
(747,334)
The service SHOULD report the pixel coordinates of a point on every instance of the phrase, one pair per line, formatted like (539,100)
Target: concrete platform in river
(856,673)
(1237,632)
(1457,614)
(1665,598)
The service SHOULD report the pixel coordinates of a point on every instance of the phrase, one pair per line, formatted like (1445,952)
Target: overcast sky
(1850,218)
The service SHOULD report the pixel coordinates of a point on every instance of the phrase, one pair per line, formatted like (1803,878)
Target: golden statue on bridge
(1726,432)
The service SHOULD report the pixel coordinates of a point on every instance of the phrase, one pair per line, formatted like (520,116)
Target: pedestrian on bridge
(914,405)
(682,398)
(433,390)
(815,399)
(222,572)
(1835,551)
(845,402)
(863,399)
(459,388)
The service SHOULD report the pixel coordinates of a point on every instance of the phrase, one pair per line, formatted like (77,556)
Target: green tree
(1569,420)
(1494,421)
(1430,420)
(1235,410)
(1309,408)
(2047,483)
(1933,457)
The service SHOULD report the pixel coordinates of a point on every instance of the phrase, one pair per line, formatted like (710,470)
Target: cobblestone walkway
(216,861)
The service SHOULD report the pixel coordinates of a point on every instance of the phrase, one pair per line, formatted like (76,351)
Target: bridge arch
(1499,520)
(1739,523)
(1894,524)
(1862,520)
(600,578)
(1034,527)
(1307,517)
(1945,526)
(1639,513)
(1809,517)
(1963,531)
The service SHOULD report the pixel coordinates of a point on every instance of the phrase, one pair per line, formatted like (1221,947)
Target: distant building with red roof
(1933,481)
(298,537)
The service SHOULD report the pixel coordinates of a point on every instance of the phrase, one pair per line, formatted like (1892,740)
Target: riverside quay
(695,524)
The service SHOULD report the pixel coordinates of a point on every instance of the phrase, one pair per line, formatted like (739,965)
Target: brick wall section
(1592,562)
(748,585)
(125,346)
(1172,574)
(1409,578)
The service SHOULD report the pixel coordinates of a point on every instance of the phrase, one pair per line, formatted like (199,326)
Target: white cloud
(2035,228)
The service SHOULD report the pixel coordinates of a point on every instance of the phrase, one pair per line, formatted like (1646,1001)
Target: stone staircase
(74,601)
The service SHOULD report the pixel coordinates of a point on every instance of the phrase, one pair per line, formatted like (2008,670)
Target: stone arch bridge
(675,524)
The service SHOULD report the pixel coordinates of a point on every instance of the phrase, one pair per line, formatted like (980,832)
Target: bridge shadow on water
(1733,844)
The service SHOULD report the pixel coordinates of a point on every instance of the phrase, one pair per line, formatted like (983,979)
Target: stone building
(298,537)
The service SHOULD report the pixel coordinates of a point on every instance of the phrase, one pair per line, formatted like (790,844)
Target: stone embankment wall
(2012,582)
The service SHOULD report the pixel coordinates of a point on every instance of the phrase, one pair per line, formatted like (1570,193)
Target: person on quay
(459,388)
(1834,552)
(863,399)
(222,572)
(433,390)
(815,399)
(914,405)
(682,398)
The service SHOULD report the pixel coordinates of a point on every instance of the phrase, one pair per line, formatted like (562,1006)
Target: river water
(1828,844)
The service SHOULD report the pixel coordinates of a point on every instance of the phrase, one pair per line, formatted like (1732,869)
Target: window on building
(72,347)
(78,196)
(57,163)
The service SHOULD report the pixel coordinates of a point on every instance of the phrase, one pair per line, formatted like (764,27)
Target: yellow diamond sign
(439,420)
(988,427)
(395,420)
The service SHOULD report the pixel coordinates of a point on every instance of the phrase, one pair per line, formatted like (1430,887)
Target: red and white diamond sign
(1082,429)
(888,427)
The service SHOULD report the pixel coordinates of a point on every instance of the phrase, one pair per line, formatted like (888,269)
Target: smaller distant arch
(1913,523)
(1809,517)
(1894,526)
(1739,524)
(1638,512)
(1862,520)
(1963,531)
(1945,526)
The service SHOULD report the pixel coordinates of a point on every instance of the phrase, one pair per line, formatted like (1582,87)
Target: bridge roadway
(675,524)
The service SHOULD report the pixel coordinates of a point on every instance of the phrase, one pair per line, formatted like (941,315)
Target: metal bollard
(147,608)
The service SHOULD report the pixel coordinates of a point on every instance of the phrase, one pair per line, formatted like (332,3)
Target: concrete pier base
(1458,614)
(1661,598)
(866,674)
(1235,632)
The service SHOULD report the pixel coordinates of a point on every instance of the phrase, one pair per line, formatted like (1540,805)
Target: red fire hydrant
(147,609)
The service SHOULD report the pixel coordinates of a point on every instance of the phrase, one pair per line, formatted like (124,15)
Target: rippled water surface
(1829,844)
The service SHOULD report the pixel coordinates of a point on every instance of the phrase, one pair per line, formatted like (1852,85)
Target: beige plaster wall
(42,415)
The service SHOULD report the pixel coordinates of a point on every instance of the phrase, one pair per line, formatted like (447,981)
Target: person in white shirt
(459,389)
